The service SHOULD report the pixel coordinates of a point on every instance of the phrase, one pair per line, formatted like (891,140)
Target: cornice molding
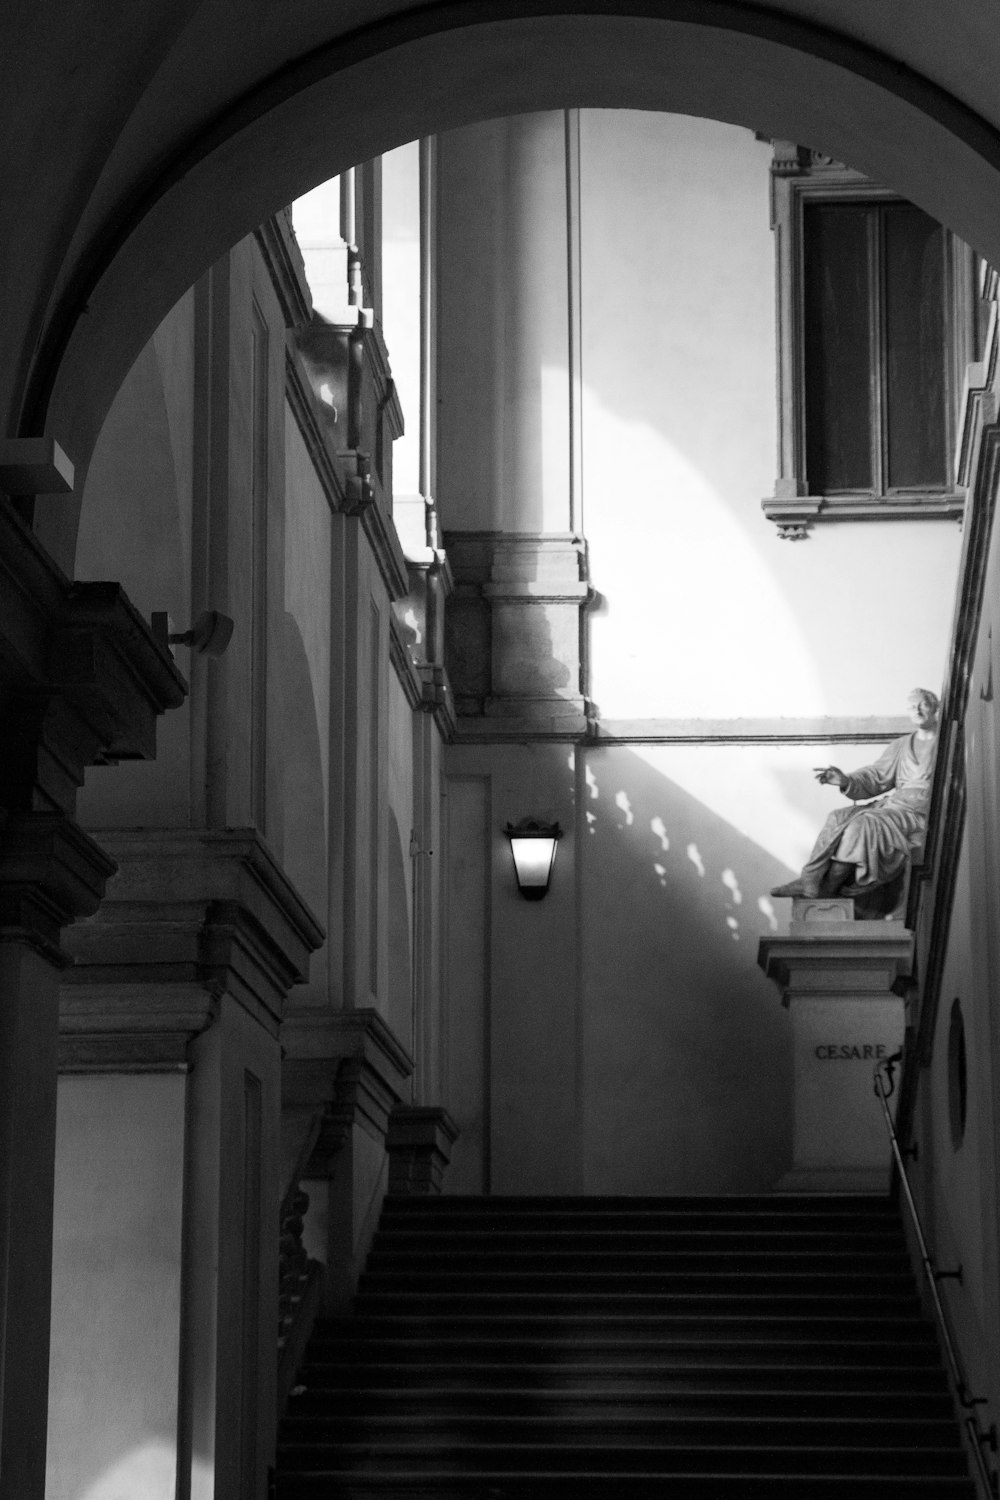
(281,255)
(192,915)
(307,410)
(405,668)
(352,1064)
(831,730)
(81,671)
(378,528)
(51,873)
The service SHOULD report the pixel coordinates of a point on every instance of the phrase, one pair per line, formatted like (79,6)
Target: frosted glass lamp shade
(533,846)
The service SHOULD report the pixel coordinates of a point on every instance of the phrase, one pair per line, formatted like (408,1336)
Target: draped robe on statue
(880,837)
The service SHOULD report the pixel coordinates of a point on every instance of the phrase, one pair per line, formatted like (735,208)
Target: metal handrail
(978,1440)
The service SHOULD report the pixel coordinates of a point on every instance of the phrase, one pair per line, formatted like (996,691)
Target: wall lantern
(533,846)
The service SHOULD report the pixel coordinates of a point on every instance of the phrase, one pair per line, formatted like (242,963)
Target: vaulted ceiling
(143,137)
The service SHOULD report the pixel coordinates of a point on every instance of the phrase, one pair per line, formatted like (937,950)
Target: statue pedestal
(836,976)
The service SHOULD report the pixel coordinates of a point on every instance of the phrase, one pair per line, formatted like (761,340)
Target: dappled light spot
(696,859)
(656,824)
(592,783)
(765,905)
(621,800)
(734,928)
(729,880)
(591,822)
(661,871)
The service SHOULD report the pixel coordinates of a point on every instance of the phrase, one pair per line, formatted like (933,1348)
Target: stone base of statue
(836,977)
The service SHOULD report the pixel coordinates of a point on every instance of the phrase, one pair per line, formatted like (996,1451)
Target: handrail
(978,1440)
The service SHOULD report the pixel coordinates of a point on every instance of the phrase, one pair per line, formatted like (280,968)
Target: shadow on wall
(303,817)
(686,1067)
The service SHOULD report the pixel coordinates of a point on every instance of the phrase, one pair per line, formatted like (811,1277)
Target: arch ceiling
(147,136)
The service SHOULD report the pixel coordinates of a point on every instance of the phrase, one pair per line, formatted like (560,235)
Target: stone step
(595,1459)
(458,1483)
(621,1427)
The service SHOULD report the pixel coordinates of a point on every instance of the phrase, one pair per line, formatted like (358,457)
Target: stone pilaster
(514,635)
(184,970)
(352,1067)
(50,873)
(82,680)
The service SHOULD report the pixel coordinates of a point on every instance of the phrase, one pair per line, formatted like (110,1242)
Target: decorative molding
(281,254)
(419,1143)
(513,636)
(818,956)
(793,518)
(800,175)
(352,1065)
(192,915)
(378,528)
(34,466)
(80,671)
(425,682)
(405,668)
(804,731)
(308,411)
(51,873)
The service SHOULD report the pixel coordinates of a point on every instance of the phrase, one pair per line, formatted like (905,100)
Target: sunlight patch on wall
(622,802)
(695,624)
(148,1473)
(767,907)
(696,859)
(767,793)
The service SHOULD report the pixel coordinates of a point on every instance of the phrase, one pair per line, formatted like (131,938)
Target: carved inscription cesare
(851,1051)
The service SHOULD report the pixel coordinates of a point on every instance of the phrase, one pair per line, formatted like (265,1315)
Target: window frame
(801,177)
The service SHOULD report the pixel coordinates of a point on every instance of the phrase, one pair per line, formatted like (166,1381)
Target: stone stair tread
(686,1347)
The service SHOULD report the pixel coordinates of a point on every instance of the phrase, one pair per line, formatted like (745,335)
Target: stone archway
(160,217)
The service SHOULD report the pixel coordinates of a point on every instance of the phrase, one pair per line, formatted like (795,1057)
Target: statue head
(924,705)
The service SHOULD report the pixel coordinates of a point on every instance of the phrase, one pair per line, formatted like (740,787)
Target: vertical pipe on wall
(427,190)
(574,321)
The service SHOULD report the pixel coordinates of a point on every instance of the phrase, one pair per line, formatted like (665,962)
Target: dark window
(876,349)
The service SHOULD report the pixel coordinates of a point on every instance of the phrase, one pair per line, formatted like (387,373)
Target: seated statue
(870,843)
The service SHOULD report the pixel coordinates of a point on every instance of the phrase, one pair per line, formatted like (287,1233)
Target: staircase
(626,1347)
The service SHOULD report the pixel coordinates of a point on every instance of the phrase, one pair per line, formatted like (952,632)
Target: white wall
(626,1036)
(116,1289)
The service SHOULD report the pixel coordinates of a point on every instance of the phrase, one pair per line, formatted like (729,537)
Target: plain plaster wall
(300,682)
(116,1290)
(619,1036)
(705,611)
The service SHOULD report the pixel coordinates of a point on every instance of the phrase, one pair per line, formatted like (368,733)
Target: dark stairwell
(620,1347)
